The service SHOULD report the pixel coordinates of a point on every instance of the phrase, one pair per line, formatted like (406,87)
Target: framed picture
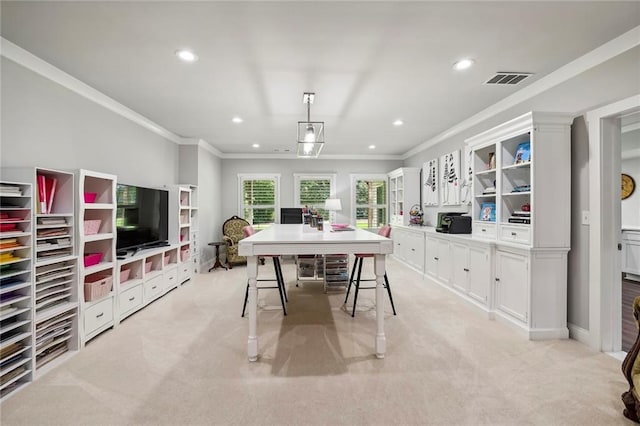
(466,189)
(523,153)
(488,212)
(430,183)
(451,179)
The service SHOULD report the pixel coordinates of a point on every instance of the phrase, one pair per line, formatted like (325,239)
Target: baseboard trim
(578,333)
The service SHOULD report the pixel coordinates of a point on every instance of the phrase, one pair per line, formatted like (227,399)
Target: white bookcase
(55,273)
(16,287)
(404,192)
(180,228)
(96,251)
(194,228)
(530,282)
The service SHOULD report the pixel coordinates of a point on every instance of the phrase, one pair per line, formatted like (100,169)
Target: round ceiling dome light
(256,145)
(372,147)
(186,55)
(398,122)
(463,64)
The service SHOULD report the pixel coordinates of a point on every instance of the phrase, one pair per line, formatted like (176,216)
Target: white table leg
(381,340)
(252,275)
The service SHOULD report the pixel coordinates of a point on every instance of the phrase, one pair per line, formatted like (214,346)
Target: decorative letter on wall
(466,193)
(430,183)
(450,183)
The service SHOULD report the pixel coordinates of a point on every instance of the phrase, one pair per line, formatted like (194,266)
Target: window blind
(371,203)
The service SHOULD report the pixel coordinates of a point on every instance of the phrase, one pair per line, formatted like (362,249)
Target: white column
(252,274)
(381,340)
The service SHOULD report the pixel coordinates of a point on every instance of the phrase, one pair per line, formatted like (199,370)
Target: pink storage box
(124,275)
(91,259)
(184,255)
(91,227)
(167,259)
(90,197)
(147,266)
(97,287)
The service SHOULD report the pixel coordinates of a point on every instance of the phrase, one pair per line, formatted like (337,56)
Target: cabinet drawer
(184,272)
(171,278)
(515,234)
(631,236)
(130,299)
(98,315)
(153,288)
(484,230)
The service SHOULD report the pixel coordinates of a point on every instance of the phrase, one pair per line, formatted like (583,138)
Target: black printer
(453,223)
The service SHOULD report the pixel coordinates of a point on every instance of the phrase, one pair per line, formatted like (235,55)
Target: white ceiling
(369,63)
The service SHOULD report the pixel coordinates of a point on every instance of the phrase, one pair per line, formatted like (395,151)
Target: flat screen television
(142,217)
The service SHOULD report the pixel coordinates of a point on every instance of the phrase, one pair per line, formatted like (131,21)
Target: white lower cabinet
(98,317)
(471,271)
(512,284)
(153,288)
(408,247)
(130,300)
(171,278)
(438,258)
(631,252)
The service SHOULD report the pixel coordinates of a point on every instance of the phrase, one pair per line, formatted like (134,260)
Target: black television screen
(142,217)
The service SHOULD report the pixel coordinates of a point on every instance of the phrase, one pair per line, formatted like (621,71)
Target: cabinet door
(399,244)
(431,257)
(512,282)
(444,261)
(631,253)
(479,274)
(415,250)
(460,267)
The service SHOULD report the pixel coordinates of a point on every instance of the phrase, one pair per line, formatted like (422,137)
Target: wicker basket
(97,287)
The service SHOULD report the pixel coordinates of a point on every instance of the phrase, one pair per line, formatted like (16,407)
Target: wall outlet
(585,217)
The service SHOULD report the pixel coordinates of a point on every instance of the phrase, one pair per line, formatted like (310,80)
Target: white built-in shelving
(180,228)
(404,193)
(96,251)
(16,287)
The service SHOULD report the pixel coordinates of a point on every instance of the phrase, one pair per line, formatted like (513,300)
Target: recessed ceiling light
(256,145)
(372,147)
(186,55)
(237,120)
(398,122)
(463,64)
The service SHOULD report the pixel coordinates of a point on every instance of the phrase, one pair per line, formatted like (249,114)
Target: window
(312,190)
(369,198)
(259,199)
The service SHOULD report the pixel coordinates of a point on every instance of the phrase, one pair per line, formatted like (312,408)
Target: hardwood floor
(630,290)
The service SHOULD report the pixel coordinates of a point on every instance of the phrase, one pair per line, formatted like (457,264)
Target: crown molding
(322,157)
(599,55)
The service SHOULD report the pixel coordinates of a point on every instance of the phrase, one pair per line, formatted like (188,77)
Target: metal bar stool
(385,231)
(248,231)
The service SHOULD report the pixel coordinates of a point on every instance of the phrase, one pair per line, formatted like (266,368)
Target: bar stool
(385,231)
(248,231)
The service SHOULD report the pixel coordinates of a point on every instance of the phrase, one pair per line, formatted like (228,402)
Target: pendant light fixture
(310,133)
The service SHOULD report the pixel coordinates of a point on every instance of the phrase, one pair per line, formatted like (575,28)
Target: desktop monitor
(290,215)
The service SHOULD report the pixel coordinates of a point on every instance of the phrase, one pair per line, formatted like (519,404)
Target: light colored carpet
(182,360)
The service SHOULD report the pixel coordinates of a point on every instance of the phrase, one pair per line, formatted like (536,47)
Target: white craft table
(296,240)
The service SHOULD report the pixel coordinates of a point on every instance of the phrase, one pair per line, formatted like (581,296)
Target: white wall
(286,168)
(47,125)
(210,189)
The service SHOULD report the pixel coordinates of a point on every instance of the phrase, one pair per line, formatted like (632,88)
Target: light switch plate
(585,217)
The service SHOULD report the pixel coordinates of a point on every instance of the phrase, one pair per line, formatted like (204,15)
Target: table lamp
(332,205)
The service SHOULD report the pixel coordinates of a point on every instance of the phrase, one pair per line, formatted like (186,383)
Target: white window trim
(297,177)
(371,176)
(259,176)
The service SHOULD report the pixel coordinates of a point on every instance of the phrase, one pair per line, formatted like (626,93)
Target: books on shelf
(488,212)
(7,190)
(523,153)
(46,193)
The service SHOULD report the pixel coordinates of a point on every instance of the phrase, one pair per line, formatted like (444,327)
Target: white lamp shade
(332,204)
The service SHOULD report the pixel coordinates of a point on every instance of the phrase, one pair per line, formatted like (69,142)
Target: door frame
(605,287)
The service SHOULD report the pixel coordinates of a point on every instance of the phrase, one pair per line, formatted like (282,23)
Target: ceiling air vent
(508,78)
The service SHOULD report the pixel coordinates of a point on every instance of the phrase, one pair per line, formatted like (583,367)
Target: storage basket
(92,226)
(184,254)
(97,287)
(90,197)
(147,266)
(167,259)
(124,275)
(91,259)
